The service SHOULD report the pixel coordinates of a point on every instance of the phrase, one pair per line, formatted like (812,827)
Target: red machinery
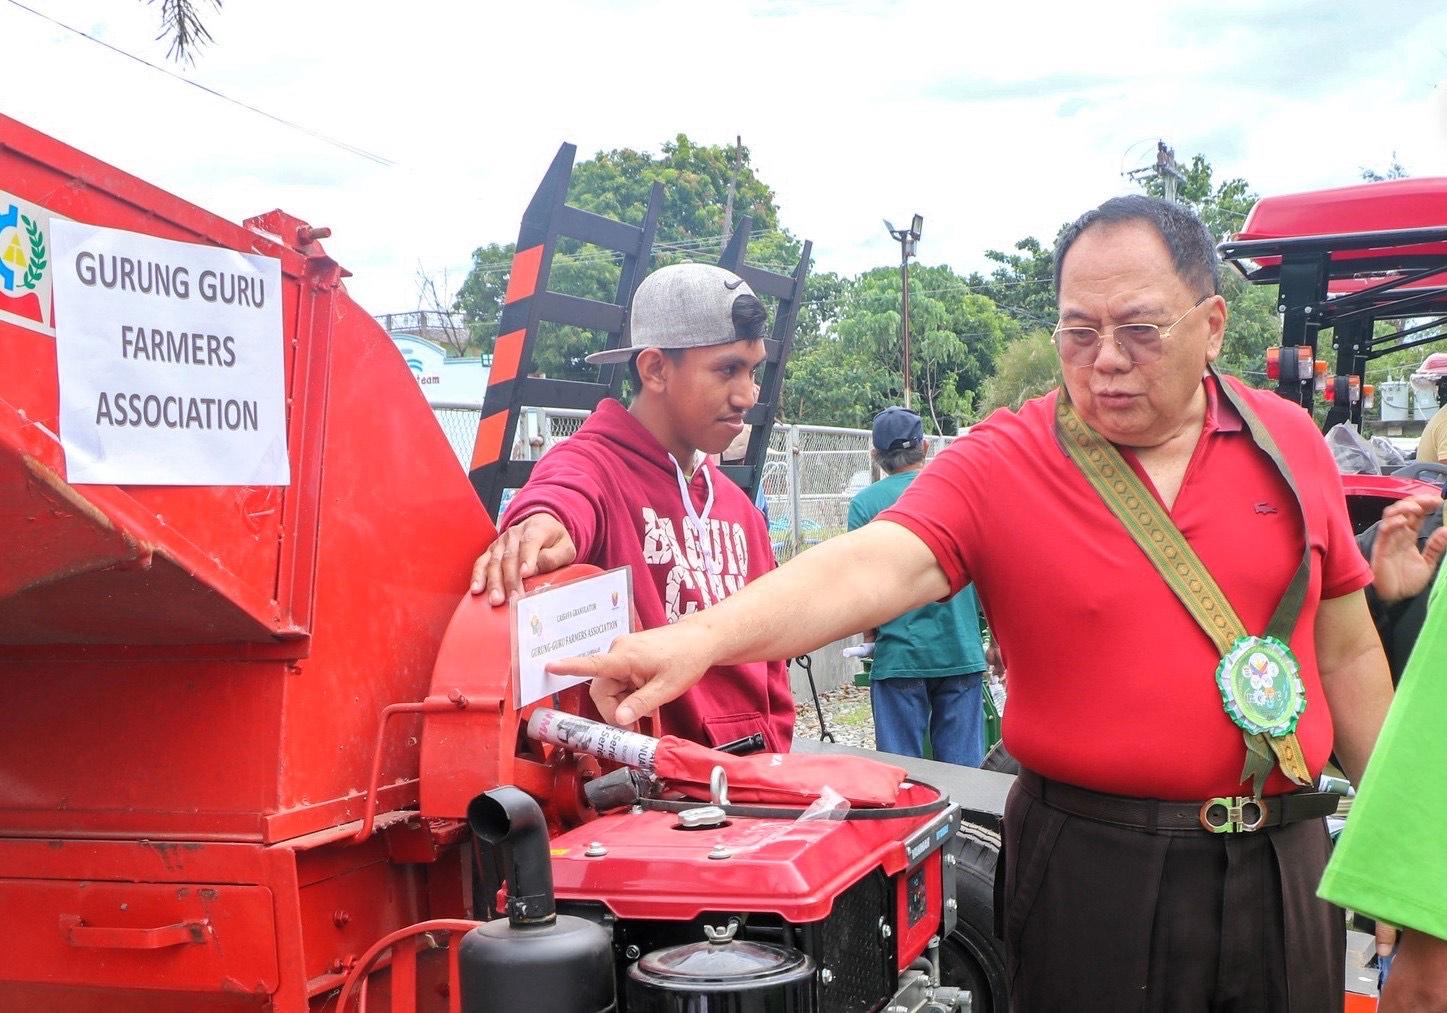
(242,726)
(1346,259)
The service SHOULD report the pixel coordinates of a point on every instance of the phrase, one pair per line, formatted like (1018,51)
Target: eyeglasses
(1141,343)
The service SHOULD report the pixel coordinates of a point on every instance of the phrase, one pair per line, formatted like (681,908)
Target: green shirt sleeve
(1391,861)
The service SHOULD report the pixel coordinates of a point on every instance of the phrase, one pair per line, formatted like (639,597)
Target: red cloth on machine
(777,778)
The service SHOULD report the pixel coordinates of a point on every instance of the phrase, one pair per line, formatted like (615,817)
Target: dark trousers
(1101,917)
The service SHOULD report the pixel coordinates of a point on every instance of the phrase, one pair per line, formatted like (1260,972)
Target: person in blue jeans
(928,663)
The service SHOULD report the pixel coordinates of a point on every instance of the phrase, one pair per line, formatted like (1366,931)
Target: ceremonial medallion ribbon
(1258,676)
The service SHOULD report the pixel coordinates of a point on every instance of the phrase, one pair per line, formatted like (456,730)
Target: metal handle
(78,933)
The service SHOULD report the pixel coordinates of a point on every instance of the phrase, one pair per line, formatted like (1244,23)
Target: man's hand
(540,544)
(642,671)
(1399,570)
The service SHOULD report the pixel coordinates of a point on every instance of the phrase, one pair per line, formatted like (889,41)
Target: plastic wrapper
(830,805)
(1353,454)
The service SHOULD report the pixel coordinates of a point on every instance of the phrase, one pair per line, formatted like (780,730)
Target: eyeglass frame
(1101,335)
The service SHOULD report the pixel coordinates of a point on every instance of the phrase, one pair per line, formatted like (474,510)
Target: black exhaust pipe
(537,959)
(513,824)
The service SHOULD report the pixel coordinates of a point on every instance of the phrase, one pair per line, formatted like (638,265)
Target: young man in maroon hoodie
(634,487)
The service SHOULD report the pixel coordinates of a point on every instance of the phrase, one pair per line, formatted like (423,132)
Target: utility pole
(908,240)
(904,318)
(1165,168)
(728,222)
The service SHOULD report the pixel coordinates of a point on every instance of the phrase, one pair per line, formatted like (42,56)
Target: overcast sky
(993,120)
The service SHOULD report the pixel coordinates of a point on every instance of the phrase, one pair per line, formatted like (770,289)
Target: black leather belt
(1221,815)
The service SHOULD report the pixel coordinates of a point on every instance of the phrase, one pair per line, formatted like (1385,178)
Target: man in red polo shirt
(1144,868)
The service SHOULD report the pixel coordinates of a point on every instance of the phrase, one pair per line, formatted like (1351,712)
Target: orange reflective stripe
(488,446)
(523,279)
(507,353)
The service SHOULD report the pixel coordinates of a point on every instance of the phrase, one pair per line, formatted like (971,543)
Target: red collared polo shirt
(1112,683)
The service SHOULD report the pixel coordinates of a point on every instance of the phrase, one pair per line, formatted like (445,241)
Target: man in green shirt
(928,663)
(1391,862)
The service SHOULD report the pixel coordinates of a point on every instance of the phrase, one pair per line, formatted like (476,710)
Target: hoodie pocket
(728,727)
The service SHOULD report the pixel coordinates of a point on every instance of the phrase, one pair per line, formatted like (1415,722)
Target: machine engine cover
(643,865)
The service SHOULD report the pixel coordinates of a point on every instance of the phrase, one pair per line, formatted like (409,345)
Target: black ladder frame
(528,303)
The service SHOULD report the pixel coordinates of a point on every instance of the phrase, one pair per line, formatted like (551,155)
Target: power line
(324,138)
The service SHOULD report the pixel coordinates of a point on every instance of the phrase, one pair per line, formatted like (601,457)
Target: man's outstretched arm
(836,589)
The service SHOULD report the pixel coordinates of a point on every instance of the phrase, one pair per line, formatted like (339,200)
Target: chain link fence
(810,472)
(810,476)
(537,429)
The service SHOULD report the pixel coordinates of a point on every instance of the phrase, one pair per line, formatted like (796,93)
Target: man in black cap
(928,663)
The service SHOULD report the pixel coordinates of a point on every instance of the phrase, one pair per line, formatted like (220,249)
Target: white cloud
(994,121)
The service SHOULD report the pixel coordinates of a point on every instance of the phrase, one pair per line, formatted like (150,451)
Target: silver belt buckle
(1233,814)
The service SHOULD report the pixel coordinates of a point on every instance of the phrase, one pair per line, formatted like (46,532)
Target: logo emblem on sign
(25,268)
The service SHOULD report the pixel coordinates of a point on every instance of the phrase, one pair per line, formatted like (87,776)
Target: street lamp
(908,240)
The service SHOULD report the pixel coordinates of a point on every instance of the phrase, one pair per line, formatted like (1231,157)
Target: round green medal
(1261,687)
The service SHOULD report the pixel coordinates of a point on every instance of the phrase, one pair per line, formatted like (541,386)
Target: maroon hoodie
(616,490)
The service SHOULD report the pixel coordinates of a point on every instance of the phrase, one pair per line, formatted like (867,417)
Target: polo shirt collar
(1221,415)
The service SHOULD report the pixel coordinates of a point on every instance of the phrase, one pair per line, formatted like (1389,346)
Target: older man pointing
(1166,558)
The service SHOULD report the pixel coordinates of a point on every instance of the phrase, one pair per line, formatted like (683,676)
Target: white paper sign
(170,361)
(569,621)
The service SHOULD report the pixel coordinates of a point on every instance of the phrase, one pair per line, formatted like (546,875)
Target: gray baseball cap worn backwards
(681,306)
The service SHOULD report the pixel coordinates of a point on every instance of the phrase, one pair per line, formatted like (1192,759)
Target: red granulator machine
(259,749)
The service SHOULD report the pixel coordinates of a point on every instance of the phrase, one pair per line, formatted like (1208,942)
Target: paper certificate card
(570,620)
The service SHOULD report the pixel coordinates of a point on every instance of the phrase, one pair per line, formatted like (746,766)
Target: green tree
(1252,326)
(1023,285)
(1223,207)
(1394,171)
(1028,367)
(849,370)
(616,184)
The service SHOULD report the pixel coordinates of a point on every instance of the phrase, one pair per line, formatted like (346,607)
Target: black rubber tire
(972,957)
(1000,761)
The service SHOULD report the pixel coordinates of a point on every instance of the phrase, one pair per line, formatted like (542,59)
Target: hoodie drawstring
(699,522)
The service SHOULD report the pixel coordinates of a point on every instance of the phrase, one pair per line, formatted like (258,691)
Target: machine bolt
(595,850)
(951,904)
(826,976)
(340,918)
(720,852)
(885,932)
(951,861)
(632,953)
